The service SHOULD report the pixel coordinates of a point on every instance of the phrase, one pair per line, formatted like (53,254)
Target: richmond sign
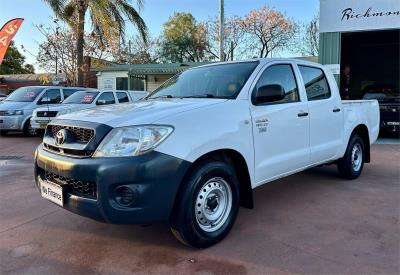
(356,15)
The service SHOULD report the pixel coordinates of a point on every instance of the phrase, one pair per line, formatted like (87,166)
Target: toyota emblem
(61,136)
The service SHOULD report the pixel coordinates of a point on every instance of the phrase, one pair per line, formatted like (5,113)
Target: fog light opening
(124,195)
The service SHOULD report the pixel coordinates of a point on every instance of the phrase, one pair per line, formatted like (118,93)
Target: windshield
(218,81)
(81,98)
(25,94)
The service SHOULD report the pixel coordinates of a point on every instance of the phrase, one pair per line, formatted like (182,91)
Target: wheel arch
(362,131)
(234,158)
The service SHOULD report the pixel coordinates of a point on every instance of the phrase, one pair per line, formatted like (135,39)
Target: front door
(280,129)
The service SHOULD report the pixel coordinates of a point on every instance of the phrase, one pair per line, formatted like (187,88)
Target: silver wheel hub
(213,204)
(356,157)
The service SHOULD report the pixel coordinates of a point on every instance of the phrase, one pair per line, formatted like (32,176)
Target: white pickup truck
(194,150)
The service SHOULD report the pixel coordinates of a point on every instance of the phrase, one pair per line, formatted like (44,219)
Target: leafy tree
(13,62)
(106,17)
(183,39)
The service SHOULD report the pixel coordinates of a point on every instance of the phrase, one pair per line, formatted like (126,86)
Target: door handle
(302,114)
(336,110)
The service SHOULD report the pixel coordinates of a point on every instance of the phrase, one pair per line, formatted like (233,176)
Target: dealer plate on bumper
(52,192)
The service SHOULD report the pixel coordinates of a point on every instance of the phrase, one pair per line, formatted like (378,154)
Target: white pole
(221,30)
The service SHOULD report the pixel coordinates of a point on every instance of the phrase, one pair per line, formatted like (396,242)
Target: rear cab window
(122,97)
(315,82)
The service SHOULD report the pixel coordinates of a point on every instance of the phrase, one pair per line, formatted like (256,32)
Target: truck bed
(366,111)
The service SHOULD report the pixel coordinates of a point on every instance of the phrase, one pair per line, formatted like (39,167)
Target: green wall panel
(329,49)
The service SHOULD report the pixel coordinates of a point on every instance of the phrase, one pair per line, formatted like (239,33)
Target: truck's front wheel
(352,163)
(207,205)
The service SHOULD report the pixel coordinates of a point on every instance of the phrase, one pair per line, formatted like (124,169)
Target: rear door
(280,129)
(326,117)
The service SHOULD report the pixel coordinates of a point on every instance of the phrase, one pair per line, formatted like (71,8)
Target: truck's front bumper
(39,122)
(154,177)
(12,123)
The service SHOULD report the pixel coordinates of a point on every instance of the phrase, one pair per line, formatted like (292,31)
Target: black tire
(28,130)
(3,133)
(185,222)
(347,164)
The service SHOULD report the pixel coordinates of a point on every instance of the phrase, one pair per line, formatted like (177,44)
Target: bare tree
(271,29)
(140,51)
(308,40)
(234,35)
(59,46)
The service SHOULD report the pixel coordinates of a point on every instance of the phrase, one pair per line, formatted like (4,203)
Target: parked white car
(80,101)
(16,109)
(195,149)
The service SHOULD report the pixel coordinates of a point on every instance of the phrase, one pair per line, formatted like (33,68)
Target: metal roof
(146,69)
(26,77)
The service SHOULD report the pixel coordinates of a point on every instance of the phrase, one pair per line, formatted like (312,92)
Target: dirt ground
(309,223)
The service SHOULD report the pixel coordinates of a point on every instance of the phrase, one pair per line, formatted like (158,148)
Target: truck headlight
(132,141)
(14,112)
(63,112)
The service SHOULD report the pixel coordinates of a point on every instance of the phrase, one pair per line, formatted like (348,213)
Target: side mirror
(44,100)
(101,102)
(269,93)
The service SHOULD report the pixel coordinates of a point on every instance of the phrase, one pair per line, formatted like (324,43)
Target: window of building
(122,83)
(315,82)
(138,83)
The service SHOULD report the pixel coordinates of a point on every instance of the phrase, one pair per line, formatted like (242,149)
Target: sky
(154,13)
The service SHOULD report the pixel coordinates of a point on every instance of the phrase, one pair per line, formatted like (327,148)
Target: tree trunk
(80,40)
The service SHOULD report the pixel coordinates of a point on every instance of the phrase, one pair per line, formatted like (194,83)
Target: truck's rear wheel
(207,205)
(351,164)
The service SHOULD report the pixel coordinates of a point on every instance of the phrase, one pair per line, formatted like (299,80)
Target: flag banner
(7,33)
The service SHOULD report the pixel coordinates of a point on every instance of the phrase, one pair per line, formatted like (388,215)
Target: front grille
(46,113)
(80,188)
(70,152)
(3,113)
(81,135)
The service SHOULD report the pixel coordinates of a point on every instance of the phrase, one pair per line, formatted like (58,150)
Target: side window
(68,92)
(282,75)
(122,97)
(108,98)
(315,83)
(54,95)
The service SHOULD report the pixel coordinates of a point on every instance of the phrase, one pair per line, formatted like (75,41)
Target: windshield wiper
(199,96)
(161,96)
